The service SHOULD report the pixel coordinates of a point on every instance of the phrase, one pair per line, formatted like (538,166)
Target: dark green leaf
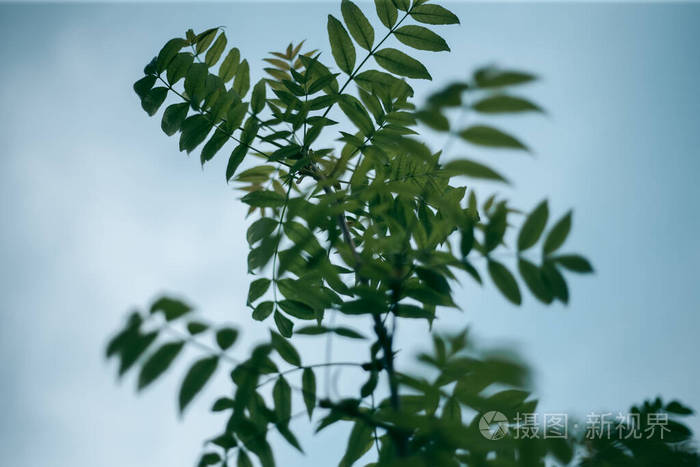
(196,327)
(574,263)
(260,229)
(557,235)
(386,11)
(282,396)
(194,131)
(472,169)
(195,83)
(297,309)
(357,24)
(158,363)
(223,403)
(555,282)
(195,379)
(357,114)
(401,64)
(241,83)
(179,67)
(263,199)
(284,324)
(263,310)
(173,117)
(226,337)
(505,104)
(153,99)
(341,45)
(488,136)
(142,86)
(421,38)
(433,14)
(505,281)
(204,40)
(257,99)
(216,142)
(308,387)
(285,349)
(533,226)
(257,289)
(171,308)
(359,443)
(168,52)
(209,458)
(533,278)
(235,160)
(229,66)
(243,459)
(214,53)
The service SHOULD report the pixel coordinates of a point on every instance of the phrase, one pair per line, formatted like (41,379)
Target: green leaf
(195,379)
(196,327)
(257,289)
(257,99)
(505,281)
(263,310)
(173,117)
(557,235)
(229,66)
(226,337)
(403,5)
(223,403)
(297,309)
(214,53)
(492,77)
(483,135)
(357,114)
(421,38)
(284,324)
(533,278)
(341,45)
(505,104)
(282,396)
(235,160)
(168,52)
(387,13)
(467,239)
(153,99)
(243,459)
(433,14)
(359,443)
(194,131)
(216,142)
(472,169)
(260,229)
(533,226)
(263,199)
(574,263)
(401,64)
(179,67)
(357,24)
(285,349)
(171,308)
(158,363)
(241,83)
(142,86)
(555,282)
(209,458)
(204,40)
(195,83)
(308,388)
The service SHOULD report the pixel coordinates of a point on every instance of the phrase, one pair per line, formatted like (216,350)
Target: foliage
(376,225)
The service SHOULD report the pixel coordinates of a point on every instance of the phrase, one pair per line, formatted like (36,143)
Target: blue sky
(100,213)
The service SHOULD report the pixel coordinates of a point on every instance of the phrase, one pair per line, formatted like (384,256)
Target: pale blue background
(100,212)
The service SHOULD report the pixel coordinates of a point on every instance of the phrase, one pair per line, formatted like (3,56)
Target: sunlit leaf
(308,387)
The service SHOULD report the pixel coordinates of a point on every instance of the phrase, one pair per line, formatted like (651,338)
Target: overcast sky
(101,212)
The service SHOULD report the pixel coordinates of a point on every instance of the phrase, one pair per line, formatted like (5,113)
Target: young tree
(377,227)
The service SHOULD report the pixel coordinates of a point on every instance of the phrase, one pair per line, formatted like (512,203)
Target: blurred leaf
(533,278)
(401,64)
(555,282)
(421,38)
(557,235)
(308,387)
(263,198)
(505,281)
(575,263)
(472,169)
(171,308)
(359,443)
(483,135)
(533,226)
(282,396)
(357,24)
(195,379)
(285,349)
(158,363)
(492,77)
(505,104)
(341,45)
(226,337)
